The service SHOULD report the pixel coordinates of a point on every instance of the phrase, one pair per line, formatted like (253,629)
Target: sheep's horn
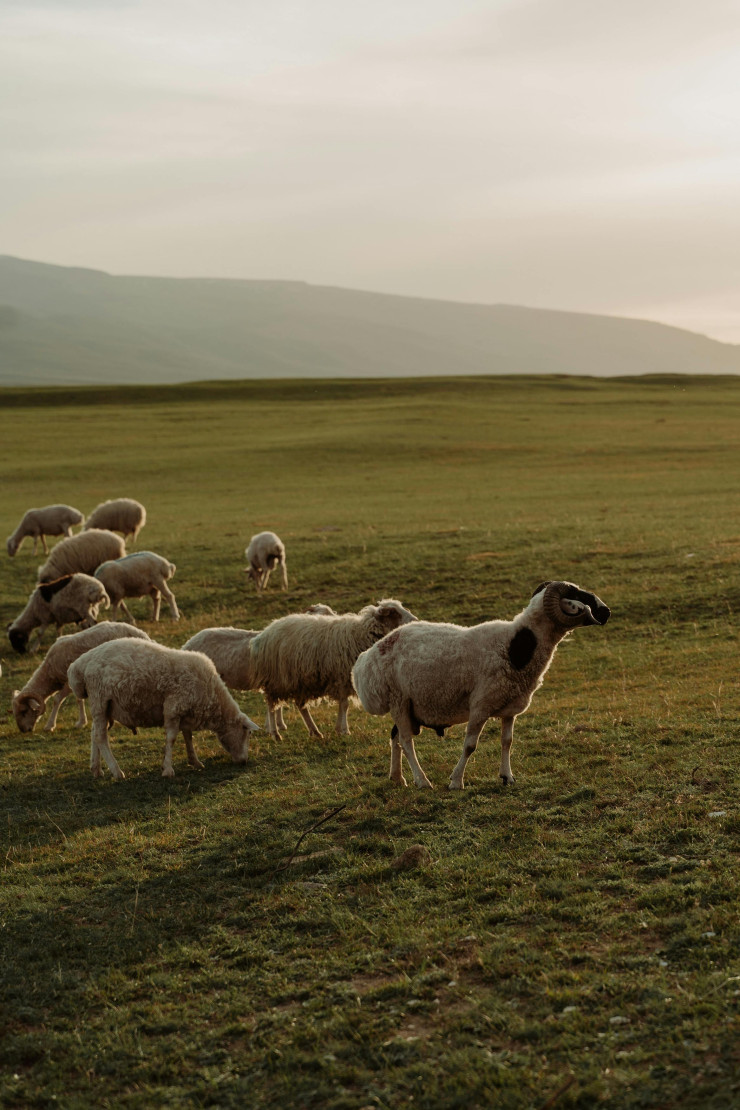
(551,604)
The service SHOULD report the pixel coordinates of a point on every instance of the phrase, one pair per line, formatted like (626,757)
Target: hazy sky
(576,154)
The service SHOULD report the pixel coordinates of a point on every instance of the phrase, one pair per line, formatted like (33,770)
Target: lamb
(52,520)
(264,553)
(143,684)
(82,554)
(120,515)
(75,598)
(436,675)
(305,657)
(51,676)
(136,575)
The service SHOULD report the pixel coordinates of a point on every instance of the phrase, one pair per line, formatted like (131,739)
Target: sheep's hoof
(426,785)
(168,773)
(398,779)
(507,780)
(455,785)
(196,764)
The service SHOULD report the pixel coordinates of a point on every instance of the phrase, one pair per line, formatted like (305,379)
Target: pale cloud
(547,152)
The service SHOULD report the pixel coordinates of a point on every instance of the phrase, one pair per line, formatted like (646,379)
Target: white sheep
(142,684)
(119,515)
(51,676)
(72,599)
(81,554)
(264,553)
(52,520)
(137,575)
(306,657)
(436,675)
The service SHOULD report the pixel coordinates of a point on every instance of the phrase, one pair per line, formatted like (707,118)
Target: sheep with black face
(437,675)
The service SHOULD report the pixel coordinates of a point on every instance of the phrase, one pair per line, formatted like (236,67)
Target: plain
(572,940)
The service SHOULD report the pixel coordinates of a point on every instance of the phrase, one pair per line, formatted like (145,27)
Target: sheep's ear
(542,586)
(249,723)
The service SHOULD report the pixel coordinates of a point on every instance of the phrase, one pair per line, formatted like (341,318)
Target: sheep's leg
(309,722)
(43,544)
(190,748)
(341,726)
(81,714)
(170,599)
(126,610)
(171,729)
(472,732)
(272,718)
(406,740)
(284,572)
(100,745)
(56,705)
(156,597)
(396,774)
(280,724)
(265,576)
(507,737)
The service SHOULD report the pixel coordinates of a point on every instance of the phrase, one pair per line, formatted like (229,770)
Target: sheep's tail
(76,682)
(370,684)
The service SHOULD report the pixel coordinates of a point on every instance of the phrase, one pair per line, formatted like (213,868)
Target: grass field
(571,941)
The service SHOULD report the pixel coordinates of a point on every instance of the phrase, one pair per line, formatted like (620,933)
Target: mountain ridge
(77,325)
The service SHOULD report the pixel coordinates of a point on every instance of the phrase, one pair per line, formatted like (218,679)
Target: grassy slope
(580,924)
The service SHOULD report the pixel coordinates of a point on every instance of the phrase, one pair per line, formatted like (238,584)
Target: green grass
(573,940)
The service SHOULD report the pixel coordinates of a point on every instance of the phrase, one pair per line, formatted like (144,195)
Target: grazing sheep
(51,676)
(81,554)
(265,552)
(436,675)
(52,520)
(73,599)
(137,575)
(142,684)
(305,657)
(120,515)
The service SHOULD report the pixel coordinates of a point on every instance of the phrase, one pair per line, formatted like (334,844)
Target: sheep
(264,553)
(305,657)
(81,554)
(52,520)
(143,684)
(436,675)
(75,598)
(51,676)
(135,575)
(120,515)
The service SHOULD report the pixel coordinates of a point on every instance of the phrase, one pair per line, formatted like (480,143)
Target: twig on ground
(327,817)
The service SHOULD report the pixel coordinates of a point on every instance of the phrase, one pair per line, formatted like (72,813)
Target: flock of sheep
(426,675)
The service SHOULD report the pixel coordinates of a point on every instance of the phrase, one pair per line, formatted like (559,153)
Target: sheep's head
(18,639)
(12,545)
(236,738)
(26,709)
(390,614)
(568,606)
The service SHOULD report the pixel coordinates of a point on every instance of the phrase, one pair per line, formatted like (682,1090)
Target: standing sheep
(51,676)
(437,675)
(305,657)
(229,649)
(81,554)
(75,598)
(265,552)
(142,684)
(120,515)
(52,520)
(137,575)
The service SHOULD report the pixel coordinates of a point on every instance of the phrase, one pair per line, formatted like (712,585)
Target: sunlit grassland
(574,940)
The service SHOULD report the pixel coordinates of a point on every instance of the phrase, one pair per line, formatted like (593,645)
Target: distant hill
(68,326)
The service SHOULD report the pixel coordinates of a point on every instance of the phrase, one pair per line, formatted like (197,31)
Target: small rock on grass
(415,856)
